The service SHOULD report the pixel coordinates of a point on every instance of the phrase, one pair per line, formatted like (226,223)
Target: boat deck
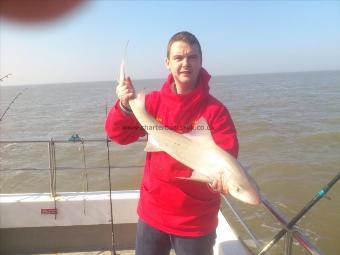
(82,223)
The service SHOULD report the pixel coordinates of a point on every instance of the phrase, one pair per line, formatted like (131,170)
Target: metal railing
(51,144)
(291,232)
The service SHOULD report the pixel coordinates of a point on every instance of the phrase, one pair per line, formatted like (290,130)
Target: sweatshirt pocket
(165,168)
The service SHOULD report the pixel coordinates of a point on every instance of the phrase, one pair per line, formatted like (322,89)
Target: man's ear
(167,62)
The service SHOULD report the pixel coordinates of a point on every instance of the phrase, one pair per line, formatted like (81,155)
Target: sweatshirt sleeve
(121,127)
(223,131)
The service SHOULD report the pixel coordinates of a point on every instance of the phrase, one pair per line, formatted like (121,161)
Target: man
(175,213)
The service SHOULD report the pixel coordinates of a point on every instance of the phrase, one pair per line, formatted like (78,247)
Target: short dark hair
(186,37)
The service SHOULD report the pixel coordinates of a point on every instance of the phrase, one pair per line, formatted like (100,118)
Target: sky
(237,37)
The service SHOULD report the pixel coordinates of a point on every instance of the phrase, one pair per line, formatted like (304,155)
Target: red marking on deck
(49,211)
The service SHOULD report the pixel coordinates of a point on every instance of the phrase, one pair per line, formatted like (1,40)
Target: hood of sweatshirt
(185,108)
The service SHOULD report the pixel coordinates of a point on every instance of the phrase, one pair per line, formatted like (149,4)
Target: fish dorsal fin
(201,133)
(152,145)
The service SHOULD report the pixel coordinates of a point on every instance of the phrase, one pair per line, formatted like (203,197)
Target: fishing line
(113,250)
(84,175)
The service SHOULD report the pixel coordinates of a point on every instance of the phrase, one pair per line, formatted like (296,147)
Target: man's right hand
(125,92)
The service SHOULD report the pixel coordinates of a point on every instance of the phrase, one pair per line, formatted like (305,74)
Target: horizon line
(143,79)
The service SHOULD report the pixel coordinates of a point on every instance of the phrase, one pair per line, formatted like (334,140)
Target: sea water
(288,128)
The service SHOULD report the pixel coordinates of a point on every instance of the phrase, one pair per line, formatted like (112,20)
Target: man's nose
(185,61)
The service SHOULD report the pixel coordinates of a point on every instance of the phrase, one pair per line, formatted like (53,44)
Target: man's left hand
(217,186)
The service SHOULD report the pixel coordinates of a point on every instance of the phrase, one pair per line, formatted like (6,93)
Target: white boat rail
(291,233)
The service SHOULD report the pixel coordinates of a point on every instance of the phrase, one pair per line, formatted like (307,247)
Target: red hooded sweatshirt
(175,206)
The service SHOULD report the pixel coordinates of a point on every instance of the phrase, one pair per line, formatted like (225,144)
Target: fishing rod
(6,76)
(113,249)
(12,102)
(322,193)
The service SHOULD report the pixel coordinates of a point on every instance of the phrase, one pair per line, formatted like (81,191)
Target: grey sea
(288,127)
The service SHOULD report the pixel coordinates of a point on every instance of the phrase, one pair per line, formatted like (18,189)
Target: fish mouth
(254,200)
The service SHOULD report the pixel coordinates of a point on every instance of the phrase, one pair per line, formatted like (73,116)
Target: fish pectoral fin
(196,176)
(152,145)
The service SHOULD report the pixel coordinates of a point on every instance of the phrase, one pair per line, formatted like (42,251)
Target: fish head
(245,190)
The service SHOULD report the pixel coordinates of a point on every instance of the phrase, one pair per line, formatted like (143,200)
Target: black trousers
(151,241)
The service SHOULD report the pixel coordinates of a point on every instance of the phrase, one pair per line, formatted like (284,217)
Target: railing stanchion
(288,242)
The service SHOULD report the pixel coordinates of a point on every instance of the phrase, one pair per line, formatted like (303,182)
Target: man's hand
(217,186)
(125,91)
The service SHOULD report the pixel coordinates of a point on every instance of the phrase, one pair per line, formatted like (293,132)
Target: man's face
(184,62)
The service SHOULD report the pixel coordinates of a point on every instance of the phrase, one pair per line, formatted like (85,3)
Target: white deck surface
(24,210)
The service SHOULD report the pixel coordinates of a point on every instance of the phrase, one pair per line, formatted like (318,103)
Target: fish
(197,150)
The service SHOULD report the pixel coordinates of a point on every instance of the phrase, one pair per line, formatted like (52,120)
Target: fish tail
(122,65)
(122,72)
